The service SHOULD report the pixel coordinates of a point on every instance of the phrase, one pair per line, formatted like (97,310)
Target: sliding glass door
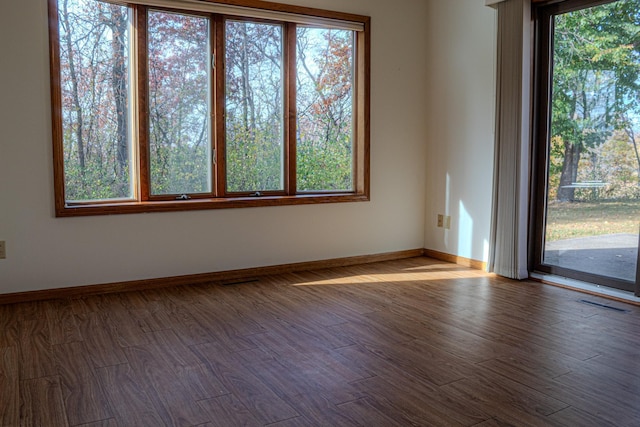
(587,198)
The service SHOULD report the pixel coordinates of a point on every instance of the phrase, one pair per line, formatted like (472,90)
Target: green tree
(254,88)
(178,103)
(595,80)
(619,167)
(325,109)
(94,65)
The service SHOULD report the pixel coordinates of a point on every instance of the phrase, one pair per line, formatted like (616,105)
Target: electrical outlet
(447,222)
(440,220)
(3,249)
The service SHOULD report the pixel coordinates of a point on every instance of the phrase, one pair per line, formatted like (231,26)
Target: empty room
(320,213)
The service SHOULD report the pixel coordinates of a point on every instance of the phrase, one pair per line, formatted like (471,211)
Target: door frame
(542,86)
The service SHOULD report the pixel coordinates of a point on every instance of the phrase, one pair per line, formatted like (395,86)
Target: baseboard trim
(454,259)
(196,279)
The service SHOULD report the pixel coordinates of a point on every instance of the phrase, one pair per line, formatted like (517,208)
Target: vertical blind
(509,236)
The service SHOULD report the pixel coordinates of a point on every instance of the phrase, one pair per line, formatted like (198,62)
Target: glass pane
(94,72)
(179,126)
(254,107)
(593,204)
(325,109)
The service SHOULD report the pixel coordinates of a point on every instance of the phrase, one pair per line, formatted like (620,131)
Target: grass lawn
(566,220)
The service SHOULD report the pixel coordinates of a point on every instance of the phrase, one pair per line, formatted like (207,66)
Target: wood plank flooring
(411,342)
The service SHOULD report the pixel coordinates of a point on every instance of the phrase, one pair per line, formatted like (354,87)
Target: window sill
(118,208)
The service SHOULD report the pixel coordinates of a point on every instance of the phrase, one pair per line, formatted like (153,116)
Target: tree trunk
(249,110)
(569,172)
(566,193)
(118,25)
(75,91)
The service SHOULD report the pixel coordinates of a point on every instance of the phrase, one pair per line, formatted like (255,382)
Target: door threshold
(590,288)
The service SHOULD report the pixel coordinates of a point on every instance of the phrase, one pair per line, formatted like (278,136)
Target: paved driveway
(613,255)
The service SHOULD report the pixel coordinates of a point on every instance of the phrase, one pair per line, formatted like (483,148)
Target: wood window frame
(219,198)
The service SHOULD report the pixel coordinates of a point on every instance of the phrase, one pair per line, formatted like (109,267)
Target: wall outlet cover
(447,222)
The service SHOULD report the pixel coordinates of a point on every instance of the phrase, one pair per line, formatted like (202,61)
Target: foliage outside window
(594,105)
(158,108)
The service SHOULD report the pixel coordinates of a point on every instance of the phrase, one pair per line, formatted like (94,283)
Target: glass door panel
(592,201)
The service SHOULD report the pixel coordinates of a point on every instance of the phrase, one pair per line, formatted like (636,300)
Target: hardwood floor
(411,342)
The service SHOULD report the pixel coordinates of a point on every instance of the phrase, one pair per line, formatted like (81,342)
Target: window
(325,109)
(254,102)
(162,105)
(178,107)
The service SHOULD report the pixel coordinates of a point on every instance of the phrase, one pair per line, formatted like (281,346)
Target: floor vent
(584,301)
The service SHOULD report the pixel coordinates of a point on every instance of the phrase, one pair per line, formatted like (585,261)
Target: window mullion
(213,63)
(143,101)
(290,109)
(219,106)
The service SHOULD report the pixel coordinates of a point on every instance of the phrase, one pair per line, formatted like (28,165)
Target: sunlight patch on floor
(399,277)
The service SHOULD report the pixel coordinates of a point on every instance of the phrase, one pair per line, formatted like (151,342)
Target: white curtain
(509,229)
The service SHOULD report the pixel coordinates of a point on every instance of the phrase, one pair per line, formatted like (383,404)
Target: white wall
(460,119)
(47,252)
